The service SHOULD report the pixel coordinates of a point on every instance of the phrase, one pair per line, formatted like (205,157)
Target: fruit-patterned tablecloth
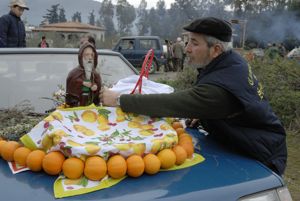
(102,131)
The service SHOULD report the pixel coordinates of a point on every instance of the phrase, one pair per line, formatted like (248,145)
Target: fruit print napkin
(103,131)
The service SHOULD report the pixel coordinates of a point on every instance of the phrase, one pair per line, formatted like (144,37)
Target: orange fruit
(177,124)
(20,155)
(8,149)
(135,165)
(52,162)
(185,137)
(167,158)
(116,166)
(179,131)
(189,148)
(152,164)
(180,153)
(95,168)
(2,143)
(34,160)
(73,168)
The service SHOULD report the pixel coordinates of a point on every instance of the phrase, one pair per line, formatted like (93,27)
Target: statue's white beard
(88,68)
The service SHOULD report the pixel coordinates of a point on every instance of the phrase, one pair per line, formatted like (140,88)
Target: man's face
(88,61)
(17,10)
(198,51)
(88,54)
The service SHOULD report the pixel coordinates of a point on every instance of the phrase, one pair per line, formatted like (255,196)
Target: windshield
(33,76)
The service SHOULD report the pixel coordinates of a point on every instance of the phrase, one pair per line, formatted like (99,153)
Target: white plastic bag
(126,85)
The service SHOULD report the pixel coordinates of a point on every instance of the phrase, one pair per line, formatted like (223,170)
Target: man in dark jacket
(83,82)
(227,98)
(12,29)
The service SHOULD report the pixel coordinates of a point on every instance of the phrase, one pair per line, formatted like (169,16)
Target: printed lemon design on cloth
(52,139)
(166,126)
(122,147)
(92,149)
(103,123)
(74,144)
(54,116)
(134,124)
(89,116)
(157,145)
(138,149)
(170,140)
(146,132)
(120,115)
(83,130)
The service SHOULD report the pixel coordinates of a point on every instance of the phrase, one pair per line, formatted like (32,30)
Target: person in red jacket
(43,43)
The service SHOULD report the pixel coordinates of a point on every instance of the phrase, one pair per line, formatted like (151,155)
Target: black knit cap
(211,26)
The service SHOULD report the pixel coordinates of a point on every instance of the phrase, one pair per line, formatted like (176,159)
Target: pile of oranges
(95,167)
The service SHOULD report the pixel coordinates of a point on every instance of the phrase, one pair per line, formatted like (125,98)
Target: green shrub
(281,81)
(183,80)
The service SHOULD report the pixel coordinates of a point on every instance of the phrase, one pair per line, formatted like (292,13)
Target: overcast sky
(150,3)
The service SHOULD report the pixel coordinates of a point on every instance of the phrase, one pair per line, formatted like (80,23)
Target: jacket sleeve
(4,24)
(202,102)
(23,37)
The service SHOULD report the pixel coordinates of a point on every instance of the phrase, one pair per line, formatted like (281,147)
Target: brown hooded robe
(75,94)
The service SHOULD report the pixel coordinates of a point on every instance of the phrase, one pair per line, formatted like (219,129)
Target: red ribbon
(144,71)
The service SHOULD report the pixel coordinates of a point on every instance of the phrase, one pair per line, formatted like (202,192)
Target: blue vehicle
(223,176)
(135,48)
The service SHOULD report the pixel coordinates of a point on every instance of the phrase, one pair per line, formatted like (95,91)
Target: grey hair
(213,41)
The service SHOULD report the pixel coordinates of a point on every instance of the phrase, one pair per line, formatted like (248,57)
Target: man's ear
(216,50)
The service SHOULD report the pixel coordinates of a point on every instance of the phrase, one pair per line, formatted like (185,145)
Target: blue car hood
(222,176)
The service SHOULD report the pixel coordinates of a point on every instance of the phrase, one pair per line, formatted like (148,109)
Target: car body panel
(222,176)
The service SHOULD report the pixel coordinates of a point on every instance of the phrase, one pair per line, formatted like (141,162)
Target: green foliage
(52,15)
(17,121)
(280,79)
(92,18)
(183,80)
(126,15)
(62,15)
(76,17)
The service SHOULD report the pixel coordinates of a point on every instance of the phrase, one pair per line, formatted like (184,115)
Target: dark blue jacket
(12,31)
(255,130)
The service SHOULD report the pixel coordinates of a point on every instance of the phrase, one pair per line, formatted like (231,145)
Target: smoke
(273,28)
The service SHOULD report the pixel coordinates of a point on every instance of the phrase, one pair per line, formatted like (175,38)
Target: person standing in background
(178,55)
(43,43)
(12,29)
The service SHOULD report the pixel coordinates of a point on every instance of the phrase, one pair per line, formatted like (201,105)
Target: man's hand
(108,97)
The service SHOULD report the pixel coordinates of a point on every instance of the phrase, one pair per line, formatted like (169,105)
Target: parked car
(33,73)
(135,48)
(223,176)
